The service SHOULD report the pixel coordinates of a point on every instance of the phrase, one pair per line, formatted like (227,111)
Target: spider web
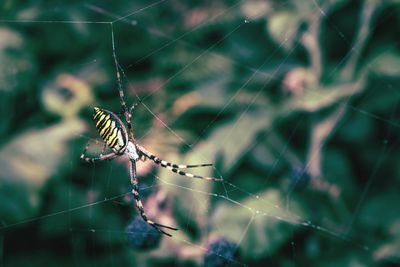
(299,187)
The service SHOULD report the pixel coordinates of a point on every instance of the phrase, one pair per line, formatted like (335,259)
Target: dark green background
(295,102)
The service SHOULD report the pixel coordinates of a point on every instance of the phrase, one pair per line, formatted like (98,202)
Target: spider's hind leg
(139,204)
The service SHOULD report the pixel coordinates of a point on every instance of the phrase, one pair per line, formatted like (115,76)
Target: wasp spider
(122,143)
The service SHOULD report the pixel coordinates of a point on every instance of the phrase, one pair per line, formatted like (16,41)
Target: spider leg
(134,106)
(159,161)
(125,109)
(139,205)
(176,167)
(191,175)
(101,157)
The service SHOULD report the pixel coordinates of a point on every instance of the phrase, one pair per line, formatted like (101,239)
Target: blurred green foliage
(295,102)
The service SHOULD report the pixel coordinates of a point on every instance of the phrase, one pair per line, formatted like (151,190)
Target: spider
(122,142)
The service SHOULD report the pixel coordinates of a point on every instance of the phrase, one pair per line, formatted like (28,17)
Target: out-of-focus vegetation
(295,102)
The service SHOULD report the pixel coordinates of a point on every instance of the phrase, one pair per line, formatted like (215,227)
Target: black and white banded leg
(176,167)
(139,205)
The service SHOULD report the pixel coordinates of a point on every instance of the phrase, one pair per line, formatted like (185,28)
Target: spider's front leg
(101,157)
(139,205)
(176,167)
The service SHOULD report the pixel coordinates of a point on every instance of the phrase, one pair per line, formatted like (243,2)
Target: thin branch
(310,40)
(367,14)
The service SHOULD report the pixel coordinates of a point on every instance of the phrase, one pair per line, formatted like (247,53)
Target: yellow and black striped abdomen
(111,129)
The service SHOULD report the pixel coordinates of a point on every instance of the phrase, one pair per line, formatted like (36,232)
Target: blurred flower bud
(221,252)
(140,235)
(299,178)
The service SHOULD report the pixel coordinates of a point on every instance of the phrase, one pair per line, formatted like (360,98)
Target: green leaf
(263,234)
(312,100)
(197,67)
(210,95)
(282,26)
(27,162)
(232,140)
(386,63)
(227,142)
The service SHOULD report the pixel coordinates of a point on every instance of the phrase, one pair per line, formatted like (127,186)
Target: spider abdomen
(111,129)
